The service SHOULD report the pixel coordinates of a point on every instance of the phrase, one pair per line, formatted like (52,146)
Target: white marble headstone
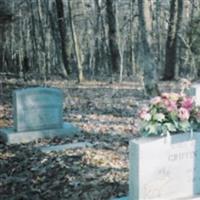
(162,169)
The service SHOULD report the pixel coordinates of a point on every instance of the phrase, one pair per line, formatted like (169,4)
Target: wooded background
(92,39)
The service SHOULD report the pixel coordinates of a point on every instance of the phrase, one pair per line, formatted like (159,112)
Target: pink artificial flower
(187,103)
(144,114)
(156,100)
(165,95)
(170,105)
(172,96)
(183,114)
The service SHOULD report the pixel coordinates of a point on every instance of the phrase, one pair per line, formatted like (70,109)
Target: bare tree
(77,49)
(176,9)
(98,40)
(99,37)
(5,12)
(5,17)
(62,29)
(146,58)
(112,35)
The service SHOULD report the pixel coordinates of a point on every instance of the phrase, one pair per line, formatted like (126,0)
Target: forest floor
(107,116)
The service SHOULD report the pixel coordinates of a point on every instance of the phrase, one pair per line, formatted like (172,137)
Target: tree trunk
(112,36)
(158,35)
(62,29)
(76,45)
(43,40)
(56,59)
(97,35)
(145,58)
(176,9)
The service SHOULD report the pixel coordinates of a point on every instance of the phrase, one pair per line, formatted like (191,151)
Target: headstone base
(128,198)
(10,136)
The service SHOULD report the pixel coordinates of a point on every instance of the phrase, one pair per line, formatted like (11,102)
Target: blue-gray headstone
(37,109)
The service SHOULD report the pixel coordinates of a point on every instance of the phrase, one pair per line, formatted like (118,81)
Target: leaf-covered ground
(107,116)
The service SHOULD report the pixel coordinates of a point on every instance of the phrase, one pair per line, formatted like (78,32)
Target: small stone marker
(37,114)
(161,169)
(195,92)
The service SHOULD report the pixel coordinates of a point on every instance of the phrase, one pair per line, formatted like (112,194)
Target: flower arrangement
(169,113)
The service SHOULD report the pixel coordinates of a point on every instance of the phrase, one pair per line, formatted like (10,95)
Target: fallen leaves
(105,113)
(72,174)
